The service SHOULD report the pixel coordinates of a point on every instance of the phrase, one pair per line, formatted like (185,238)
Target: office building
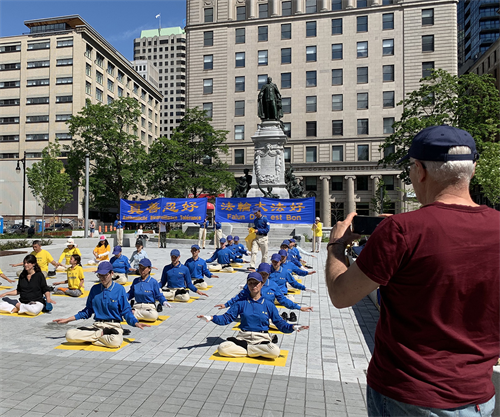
(165,49)
(341,66)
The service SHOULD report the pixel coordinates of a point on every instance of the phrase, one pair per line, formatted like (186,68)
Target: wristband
(337,242)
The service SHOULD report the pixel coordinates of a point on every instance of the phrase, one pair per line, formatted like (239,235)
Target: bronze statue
(241,189)
(293,186)
(248,178)
(270,102)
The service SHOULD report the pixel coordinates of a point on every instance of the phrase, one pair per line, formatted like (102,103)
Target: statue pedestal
(269,160)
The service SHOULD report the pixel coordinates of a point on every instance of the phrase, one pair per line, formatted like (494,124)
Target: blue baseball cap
(285,243)
(283,252)
(256,276)
(433,143)
(117,250)
(276,257)
(195,247)
(292,240)
(104,268)
(175,252)
(229,237)
(236,238)
(145,262)
(263,267)
(222,240)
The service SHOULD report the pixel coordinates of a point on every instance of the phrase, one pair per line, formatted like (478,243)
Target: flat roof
(151,33)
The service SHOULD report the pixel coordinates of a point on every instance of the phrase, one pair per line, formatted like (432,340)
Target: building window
(311,182)
(37,100)
(388,21)
(263,10)
(98,77)
(389,150)
(239,156)
(337,128)
(337,51)
(13,84)
(286,8)
(10,48)
(311,79)
(386,2)
(62,117)
(64,80)
(311,151)
(261,80)
(37,136)
(388,99)
(208,62)
(427,68)
(310,29)
(388,72)
(337,183)
(207,107)
(208,38)
(15,138)
(239,132)
(362,24)
(111,99)
(388,122)
(239,84)
(286,105)
(98,94)
(262,57)
(88,88)
(262,33)
(428,43)
(287,130)
(286,31)
(287,154)
(99,59)
(240,35)
(362,100)
(14,66)
(360,4)
(310,53)
(427,17)
(337,153)
(388,47)
(9,102)
(111,69)
(209,15)
(32,64)
(362,126)
(286,80)
(240,60)
(39,45)
(9,120)
(337,102)
(37,119)
(286,55)
(111,85)
(362,180)
(311,104)
(337,26)
(362,49)
(241,13)
(362,75)
(239,108)
(311,129)
(337,76)
(64,99)
(208,86)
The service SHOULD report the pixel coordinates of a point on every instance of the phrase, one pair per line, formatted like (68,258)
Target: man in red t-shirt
(438,336)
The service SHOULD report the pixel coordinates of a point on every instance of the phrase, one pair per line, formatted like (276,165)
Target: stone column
(375,3)
(252,13)
(325,201)
(300,7)
(230,10)
(350,204)
(325,6)
(350,4)
(375,181)
(276,5)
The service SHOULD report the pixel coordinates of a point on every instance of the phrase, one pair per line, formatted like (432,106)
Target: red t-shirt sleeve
(384,252)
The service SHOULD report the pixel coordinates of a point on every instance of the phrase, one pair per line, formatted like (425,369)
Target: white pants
(254,349)
(217,238)
(317,240)
(32,309)
(219,267)
(120,278)
(201,285)
(95,336)
(145,312)
(119,236)
(202,235)
(261,242)
(169,294)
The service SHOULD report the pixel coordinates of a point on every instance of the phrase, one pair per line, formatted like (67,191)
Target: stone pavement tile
(270,413)
(170,408)
(251,412)
(14,413)
(78,413)
(232,409)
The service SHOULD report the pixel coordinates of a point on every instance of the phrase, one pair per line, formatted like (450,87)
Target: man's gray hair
(451,173)
(37,242)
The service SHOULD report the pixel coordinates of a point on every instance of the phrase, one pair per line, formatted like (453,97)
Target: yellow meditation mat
(208,287)
(294,291)
(279,361)
(158,321)
(236,265)
(87,346)
(184,302)
(299,280)
(237,327)
(84,294)
(19,315)
(4,287)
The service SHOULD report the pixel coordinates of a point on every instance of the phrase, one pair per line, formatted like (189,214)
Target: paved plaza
(166,370)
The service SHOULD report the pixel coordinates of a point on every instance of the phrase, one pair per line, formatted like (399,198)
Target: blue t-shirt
(120,265)
(145,292)
(177,277)
(261,225)
(223,256)
(197,268)
(282,277)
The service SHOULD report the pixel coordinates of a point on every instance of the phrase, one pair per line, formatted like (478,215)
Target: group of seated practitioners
(121,266)
(108,303)
(33,291)
(224,256)
(176,280)
(43,259)
(282,277)
(236,248)
(198,269)
(255,311)
(75,278)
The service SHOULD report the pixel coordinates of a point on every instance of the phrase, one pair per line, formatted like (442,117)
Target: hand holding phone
(365,225)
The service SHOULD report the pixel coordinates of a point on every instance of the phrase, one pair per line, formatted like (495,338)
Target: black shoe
(126,332)
(284,316)
(108,330)
(51,274)
(180,292)
(198,281)
(275,339)
(293,317)
(51,289)
(132,302)
(242,343)
(159,308)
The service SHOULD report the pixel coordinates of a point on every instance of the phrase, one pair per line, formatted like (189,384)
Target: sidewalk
(166,371)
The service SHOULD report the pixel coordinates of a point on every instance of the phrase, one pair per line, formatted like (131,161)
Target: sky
(118,21)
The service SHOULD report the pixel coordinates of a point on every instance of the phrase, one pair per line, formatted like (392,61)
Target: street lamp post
(18,169)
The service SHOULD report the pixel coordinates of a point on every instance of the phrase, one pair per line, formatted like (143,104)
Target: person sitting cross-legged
(198,269)
(283,277)
(224,257)
(253,339)
(121,266)
(75,279)
(176,280)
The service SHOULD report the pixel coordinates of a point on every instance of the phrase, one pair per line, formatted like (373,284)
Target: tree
(107,133)
(48,181)
(189,162)
(488,172)
(381,203)
(470,102)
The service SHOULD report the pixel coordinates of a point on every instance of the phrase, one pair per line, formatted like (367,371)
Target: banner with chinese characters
(240,210)
(164,209)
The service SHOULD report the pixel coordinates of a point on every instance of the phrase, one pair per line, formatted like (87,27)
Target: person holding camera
(438,335)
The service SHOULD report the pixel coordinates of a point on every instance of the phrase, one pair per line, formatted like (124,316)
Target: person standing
(92,228)
(435,347)
(119,230)
(260,242)
(202,234)
(43,258)
(162,227)
(317,229)
(218,234)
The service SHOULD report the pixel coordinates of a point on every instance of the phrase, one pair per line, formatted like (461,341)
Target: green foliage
(470,102)
(189,162)
(381,203)
(107,133)
(179,234)
(488,171)
(21,243)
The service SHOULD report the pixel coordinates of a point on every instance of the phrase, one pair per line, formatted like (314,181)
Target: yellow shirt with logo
(318,231)
(67,253)
(103,249)
(43,258)
(75,278)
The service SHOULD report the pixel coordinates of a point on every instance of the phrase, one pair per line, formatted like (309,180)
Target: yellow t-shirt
(75,278)
(43,258)
(103,249)
(319,229)
(67,253)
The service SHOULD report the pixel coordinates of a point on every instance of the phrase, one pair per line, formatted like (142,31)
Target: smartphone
(365,225)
